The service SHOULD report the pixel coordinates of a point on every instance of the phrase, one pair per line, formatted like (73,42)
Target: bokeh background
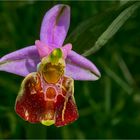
(109,107)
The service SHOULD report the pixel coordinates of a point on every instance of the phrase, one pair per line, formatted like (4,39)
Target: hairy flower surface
(47,92)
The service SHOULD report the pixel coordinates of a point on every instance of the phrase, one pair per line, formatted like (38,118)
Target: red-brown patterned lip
(50,93)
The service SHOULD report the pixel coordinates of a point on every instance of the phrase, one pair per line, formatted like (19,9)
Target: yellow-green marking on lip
(47,122)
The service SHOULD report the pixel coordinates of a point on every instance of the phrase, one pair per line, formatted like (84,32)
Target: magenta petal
(55,25)
(80,68)
(42,48)
(20,62)
(66,50)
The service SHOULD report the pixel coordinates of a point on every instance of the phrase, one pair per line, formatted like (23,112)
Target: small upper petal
(20,62)
(80,68)
(55,25)
(42,48)
(66,50)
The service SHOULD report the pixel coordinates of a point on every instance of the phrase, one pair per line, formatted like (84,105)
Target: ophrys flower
(46,94)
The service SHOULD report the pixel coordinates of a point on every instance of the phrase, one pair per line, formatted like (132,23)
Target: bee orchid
(50,68)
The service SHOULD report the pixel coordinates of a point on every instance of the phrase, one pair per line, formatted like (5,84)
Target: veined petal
(30,104)
(66,109)
(66,112)
(49,104)
(20,62)
(80,68)
(55,25)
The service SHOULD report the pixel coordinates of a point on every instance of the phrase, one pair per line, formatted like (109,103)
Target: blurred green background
(109,107)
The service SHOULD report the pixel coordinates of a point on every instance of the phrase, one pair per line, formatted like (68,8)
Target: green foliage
(109,107)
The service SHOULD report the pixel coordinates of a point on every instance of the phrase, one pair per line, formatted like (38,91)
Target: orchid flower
(47,92)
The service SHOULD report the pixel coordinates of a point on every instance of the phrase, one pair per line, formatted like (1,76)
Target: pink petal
(66,50)
(55,25)
(80,68)
(20,62)
(42,48)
